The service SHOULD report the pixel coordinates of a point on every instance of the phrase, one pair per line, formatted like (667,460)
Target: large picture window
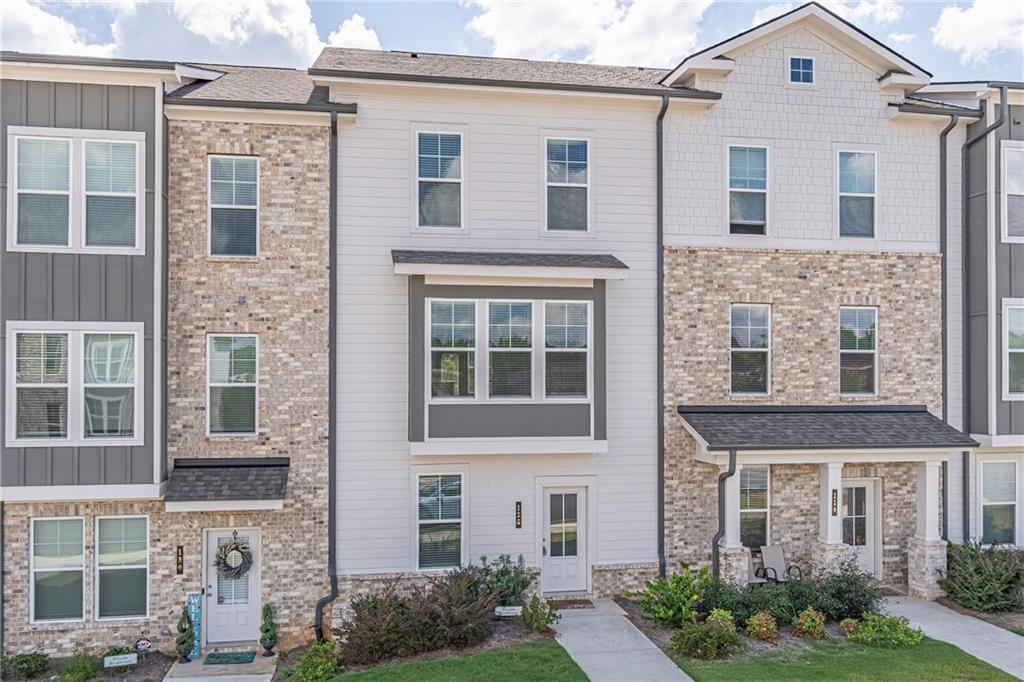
(510,343)
(568,185)
(566,346)
(748,190)
(232,372)
(439,521)
(122,567)
(452,349)
(857,194)
(998,502)
(234,206)
(439,179)
(750,341)
(1013,349)
(754,506)
(858,351)
(58,569)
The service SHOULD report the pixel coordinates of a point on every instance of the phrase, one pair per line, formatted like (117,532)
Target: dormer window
(801,70)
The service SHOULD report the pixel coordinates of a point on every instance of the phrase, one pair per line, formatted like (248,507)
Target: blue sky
(973,40)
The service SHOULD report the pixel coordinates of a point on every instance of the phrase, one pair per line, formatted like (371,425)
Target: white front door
(859,522)
(232,603)
(563,545)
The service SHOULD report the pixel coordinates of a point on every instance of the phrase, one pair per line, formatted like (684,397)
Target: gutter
(332,384)
(660,402)
(943,220)
(1004,110)
(274,106)
(721,514)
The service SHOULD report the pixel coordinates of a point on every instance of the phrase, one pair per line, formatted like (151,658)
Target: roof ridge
(527,60)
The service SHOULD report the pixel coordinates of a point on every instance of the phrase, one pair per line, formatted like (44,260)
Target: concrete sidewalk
(984,641)
(609,648)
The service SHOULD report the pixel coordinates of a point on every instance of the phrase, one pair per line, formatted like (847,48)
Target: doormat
(563,604)
(230,658)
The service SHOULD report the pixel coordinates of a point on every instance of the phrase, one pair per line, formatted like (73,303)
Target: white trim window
(510,349)
(439,179)
(567,185)
(232,396)
(234,200)
(1013,191)
(57,567)
(858,351)
(452,349)
(750,349)
(754,505)
(566,349)
(748,190)
(998,502)
(122,567)
(77,386)
(856,174)
(73,190)
(439,504)
(1013,349)
(801,70)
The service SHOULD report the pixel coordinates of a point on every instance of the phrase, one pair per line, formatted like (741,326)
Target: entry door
(232,604)
(563,547)
(859,522)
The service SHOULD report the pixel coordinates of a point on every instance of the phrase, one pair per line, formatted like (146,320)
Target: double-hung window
(58,569)
(998,502)
(748,190)
(858,351)
(750,340)
(232,371)
(568,185)
(566,344)
(439,179)
(452,349)
(439,521)
(1013,190)
(754,506)
(801,70)
(43,192)
(857,194)
(122,567)
(111,193)
(1013,353)
(510,344)
(234,206)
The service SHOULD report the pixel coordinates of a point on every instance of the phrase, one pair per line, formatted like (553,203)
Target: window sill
(75,443)
(508,446)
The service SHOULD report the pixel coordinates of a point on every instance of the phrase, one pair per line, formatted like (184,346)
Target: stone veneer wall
(701,284)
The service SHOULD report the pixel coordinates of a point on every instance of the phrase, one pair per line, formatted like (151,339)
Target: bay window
(232,370)
(510,343)
(452,349)
(566,345)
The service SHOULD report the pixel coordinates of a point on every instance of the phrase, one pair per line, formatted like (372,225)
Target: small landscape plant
(848,626)
(722,619)
(507,579)
(268,630)
(672,601)
(28,665)
(540,614)
(762,626)
(848,592)
(886,632)
(809,624)
(984,578)
(80,668)
(705,640)
(318,664)
(772,598)
(720,595)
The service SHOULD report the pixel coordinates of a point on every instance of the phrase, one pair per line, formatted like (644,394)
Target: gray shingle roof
(255,84)
(192,480)
(806,427)
(543,260)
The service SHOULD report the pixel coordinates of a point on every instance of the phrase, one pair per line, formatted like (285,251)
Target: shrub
(704,640)
(809,624)
(762,626)
(318,664)
(984,578)
(848,592)
(886,632)
(374,628)
(722,619)
(540,614)
(848,626)
(268,629)
(186,638)
(671,601)
(727,597)
(774,599)
(508,580)
(28,665)
(452,611)
(80,668)
(802,593)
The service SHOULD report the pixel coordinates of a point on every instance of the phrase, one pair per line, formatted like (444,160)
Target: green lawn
(838,660)
(1018,631)
(535,661)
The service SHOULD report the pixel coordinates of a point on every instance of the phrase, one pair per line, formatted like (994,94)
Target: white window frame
(417,522)
(874,195)
(545,350)
(531,349)
(839,329)
(789,71)
(76,332)
(1009,303)
(768,351)
(96,576)
(209,385)
(33,570)
(588,185)
(474,350)
(76,138)
(1018,515)
(767,511)
(1015,147)
(210,206)
(461,181)
(729,190)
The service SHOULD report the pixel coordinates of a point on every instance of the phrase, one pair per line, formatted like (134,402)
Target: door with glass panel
(859,522)
(232,600)
(563,544)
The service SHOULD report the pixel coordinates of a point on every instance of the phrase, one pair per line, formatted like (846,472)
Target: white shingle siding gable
(804,127)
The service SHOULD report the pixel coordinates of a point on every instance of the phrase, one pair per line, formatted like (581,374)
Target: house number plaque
(835,502)
(519,514)
(179,560)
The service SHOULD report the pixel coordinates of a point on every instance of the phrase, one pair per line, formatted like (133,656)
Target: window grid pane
(749,332)
(567,171)
(858,345)
(439,501)
(58,563)
(566,336)
(232,382)
(1015,349)
(233,206)
(453,328)
(439,171)
(41,385)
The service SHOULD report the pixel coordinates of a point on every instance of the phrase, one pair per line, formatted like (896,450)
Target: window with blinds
(452,349)
(1013,190)
(999,502)
(41,385)
(754,506)
(566,348)
(748,190)
(231,371)
(439,521)
(58,569)
(568,185)
(439,179)
(122,566)
(43,192)
(110,193)
(234,206)
(857,194)
(1013,372)
(858,351)
(750,356)
(510,343)
(232,591)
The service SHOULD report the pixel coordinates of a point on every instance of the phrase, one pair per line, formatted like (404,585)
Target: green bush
(268,628)
(727,597)
(809,624)
(508,580)
(671,601)
(540,614)
(886,632)
(848,592)
(849,626)
(704,640)
(374,629)
(80,668)
(27,666)
(318,664)
(802,593)
(762,626)
(984,578)
(772,598)
(186,638)
(722,619)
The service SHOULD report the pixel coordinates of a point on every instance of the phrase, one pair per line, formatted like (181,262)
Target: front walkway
(260,670)
(985,641)
(609,648)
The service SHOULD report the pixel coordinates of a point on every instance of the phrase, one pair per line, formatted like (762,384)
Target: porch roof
(820,427)
(230,479)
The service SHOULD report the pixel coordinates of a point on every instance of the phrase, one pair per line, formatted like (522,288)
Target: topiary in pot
(186,638)
(268,631)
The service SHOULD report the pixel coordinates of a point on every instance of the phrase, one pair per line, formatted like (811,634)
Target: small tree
(186,638)
(268,630)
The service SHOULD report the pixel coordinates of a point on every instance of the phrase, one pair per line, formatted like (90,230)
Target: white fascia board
(508,446)
(502,271)
(193,73)
(81,493)
(224,505)
(846,456)
(199,112)
(1009,440)
(74,73)
(902,82)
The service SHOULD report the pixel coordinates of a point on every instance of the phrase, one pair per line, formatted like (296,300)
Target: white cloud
(598,31)
(353,32)
(882,12)
(978,31)
(28,28)
(900,39)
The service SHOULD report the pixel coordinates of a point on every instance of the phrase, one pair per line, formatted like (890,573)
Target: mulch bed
(562,604)
(151,668)
(1008,620)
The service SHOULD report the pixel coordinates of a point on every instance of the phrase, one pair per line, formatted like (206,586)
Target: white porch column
(928,501)
(732,509)
(830,530)
(926,551)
